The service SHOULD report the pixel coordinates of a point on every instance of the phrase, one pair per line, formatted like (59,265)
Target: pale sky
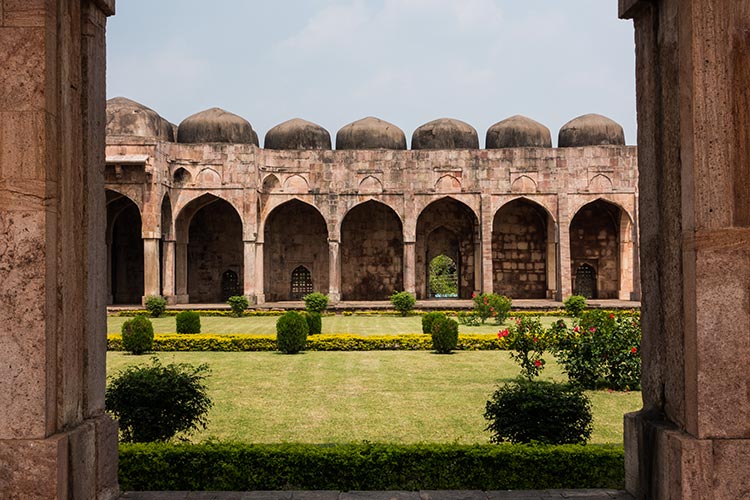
(405,61)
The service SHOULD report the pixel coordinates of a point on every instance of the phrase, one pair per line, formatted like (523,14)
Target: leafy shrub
(291,333)
(238,304)
(155,305)
(468,318)
(491,305)
(544,412)
(188,322)
(527,341)
(155,402)
(444,335)
(137,335)
(316,302)
(575,305)
(429,318)
(602,350)
(403,302)
(314,322)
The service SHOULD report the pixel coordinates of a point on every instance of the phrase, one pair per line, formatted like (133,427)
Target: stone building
(198,212)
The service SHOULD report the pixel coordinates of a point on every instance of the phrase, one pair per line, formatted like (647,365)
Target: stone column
(552,244)
(486,234)
(691,440)
(334,271)
(151,267)
(181,273)
(410,267)
(565,285)
(260,294)
(56,442)
(626,259)
(168,271)
(248,280)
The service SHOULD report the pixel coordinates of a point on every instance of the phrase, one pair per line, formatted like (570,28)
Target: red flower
(485,300)
(537,363)
(535,339)
(503,333)
(611,316)
(576,329)
(473,295)
(634,350)
(592,329)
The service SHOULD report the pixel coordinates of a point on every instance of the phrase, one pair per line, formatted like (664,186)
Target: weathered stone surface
(370,133)
(34,468)
(518,132)
(445,133)
(297,134)
(126,117)
(216,125)
(591,130)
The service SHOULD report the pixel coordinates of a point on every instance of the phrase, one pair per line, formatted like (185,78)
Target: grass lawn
(378,396)
(361,325)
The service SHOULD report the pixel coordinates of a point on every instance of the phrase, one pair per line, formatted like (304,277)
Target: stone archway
(124,250)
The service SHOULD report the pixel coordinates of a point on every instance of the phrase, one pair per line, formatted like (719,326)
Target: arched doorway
(447,227)
(166,248)
(520,250)
(295,235)
(372,252)
(125,250)
(595,243)
(301,283)
(443,277)
(584,281)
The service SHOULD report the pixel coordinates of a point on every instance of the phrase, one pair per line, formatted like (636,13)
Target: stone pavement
(380,495)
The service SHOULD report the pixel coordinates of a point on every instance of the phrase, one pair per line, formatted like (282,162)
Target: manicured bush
(137,335)
(403,302)
(316,302)
(429,318)
(491,305)
(155,305)
(444,335)
(314,322)
(575,305)
(291,333)
(216,466)
(543,412)
(188,322)
(155,402)
(238,304)
(526,339)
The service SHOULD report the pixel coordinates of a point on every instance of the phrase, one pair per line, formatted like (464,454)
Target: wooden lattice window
(302,283)
(585,283)
(230,285)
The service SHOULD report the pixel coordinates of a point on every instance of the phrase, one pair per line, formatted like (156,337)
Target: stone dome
(591,130)
(518,132)
(370,133)
(445,133)
(127,117)
(297,134)
(216,125)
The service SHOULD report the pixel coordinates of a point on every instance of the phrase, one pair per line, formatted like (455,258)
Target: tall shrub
(316,302)
(403,302)
(291,332)
(155,305)
(575,305)
(314,322)
(429,318)
(238,304)
(444,335)
(137,335)
(188,322)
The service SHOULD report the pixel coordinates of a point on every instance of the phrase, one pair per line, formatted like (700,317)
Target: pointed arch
(296,184)
(448,184)
(370,185)
(124,249)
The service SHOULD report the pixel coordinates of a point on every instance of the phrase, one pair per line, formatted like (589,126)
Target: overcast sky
(405,61)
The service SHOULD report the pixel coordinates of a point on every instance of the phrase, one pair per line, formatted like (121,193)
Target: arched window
(443,277)
(301,282)
(230,285)
(585,283)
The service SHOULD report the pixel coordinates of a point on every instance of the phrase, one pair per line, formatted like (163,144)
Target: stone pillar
(151,267)
(410,267)
(248,280)
(181,273)
(691,440)
(486,233)
(626,259)
(56,442)
(552,268)
(260,294)
(334,271)
(565,285)
(168,271)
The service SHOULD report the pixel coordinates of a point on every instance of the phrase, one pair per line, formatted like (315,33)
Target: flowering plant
(491,305)
(527,340)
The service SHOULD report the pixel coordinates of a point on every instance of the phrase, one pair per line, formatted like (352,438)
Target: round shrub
(137,335)
(155,305)
(188,322)
(238,304)
(550,413)
(444,335)
(316,302)
(291,333)
(403,302)
(314,322)
(575,305)
(429,318)
(155,402)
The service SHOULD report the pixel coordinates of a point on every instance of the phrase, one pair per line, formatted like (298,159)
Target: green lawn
(378,396)
(361,325)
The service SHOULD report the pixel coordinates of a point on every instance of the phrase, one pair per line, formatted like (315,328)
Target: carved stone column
(334,271)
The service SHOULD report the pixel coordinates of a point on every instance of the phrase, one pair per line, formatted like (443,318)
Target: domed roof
(127,117)
(445,133)
(297,134)
(591,130)
(216,125)
(518,132)
(370,133)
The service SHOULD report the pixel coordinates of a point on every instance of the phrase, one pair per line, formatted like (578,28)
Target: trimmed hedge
(202,312)
(215,466)
(327,342)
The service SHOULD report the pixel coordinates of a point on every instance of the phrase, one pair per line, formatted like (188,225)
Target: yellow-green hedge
(238,342)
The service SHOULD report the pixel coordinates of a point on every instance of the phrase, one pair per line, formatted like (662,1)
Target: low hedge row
(247,467)
(279,312)
(328,342)
(202,312)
